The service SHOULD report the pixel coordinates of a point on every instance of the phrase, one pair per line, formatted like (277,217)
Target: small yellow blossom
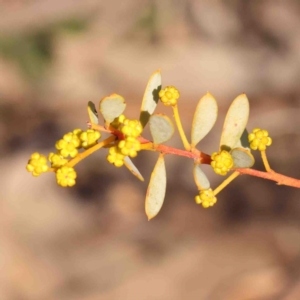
(132,128)
(206,198)
(129,147)
(115,156)
(78,132)
(65,176)
(128,127)
(56,160)
(169,96)
(68,145)
(222,162)
(37,164)
(89,138)
(259,139)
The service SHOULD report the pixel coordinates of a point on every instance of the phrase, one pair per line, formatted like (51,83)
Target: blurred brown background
(93,241)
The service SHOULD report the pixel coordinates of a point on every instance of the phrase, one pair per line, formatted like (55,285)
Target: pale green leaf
(243,142)
(150,98)
(204,118)
(242,158)
(112,107)
(161,128)
(201,180)
(92,112)
(157,189)
(235,122)
(132,168)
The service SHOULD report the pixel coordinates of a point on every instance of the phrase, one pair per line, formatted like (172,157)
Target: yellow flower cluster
(169,96)
(66,147)
(115,156)
(65,176)
(56,160)
(259,139)
(89,138)
(69,144)
(37,164)
(132,128)
(130,145)
(206,198)
(222,162)
(72,141)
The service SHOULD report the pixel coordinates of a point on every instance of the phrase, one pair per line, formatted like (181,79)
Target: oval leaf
(157,189)
(235,122)
(92,112)
(112,106)
(242,158)
(161,128)
(201,180)
(150,98)
(204,118)
(132,168)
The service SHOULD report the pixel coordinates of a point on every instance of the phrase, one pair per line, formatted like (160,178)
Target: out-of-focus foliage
(33,51)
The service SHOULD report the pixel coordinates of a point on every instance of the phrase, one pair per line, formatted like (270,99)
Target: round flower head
(77,132)
(206,198)
(259,139)
(89,138)
(129,147)
(68,145)
(132,128)
(115,156)
(56,160)
(169,96)
(222,162)
(37,164)
(65,176)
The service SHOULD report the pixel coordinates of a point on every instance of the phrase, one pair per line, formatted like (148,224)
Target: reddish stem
(279,178)
(204,158)
(195,154)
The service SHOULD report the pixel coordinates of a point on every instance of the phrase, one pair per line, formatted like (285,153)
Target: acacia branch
(204,158)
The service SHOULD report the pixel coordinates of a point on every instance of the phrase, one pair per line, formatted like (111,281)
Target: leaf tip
(148,214)
(149,218)
(243,95)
